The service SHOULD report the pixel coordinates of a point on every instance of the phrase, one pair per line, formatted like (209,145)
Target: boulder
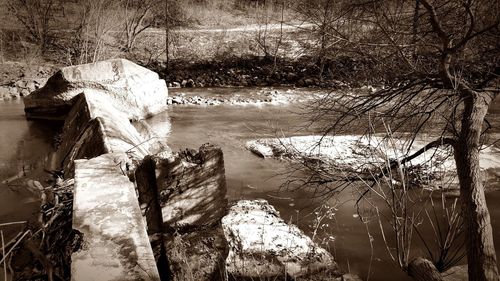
(262,245)
(260,148)
(14,92)
(30,86)
(132,89)
(4,92)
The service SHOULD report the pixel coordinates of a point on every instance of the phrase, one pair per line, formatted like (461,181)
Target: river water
(26,145)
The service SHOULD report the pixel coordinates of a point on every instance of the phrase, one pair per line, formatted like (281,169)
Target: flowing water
(358,247)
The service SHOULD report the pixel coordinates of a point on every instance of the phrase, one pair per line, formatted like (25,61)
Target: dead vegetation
(42,250)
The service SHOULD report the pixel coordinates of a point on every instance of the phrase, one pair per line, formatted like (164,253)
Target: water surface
(24,146)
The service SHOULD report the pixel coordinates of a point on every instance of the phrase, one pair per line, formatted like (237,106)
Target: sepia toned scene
(253,140)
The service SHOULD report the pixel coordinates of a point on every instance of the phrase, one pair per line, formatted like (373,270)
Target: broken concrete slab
(106,211)
(184,196)
(145,179)
(94,126)
(192,187)
(134,90)
(262,245)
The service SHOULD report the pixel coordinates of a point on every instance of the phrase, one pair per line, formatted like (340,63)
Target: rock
(4,92)
(262,245)
(24,92)
(13,91)
(177,100)
(190,83)
(20,84)
(456,273)
(368,89)
(40,82)
(106,212)
(351,277)
(176,84)
(30,86)
(134,90)
(259,148)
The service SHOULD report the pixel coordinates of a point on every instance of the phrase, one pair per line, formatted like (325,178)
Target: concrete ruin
(147,213)
(183,196)
(106,211)
(99,148)
(94,127)
(136,91)
(111,159)
(191,187)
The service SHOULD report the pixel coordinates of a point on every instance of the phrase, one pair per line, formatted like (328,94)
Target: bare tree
(96,22)
(327,18)
(440,63)
(36,16)
(138,17)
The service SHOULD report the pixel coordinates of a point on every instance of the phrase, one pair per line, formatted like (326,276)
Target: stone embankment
(147,213)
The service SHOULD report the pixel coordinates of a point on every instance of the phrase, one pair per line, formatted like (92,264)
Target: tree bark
(481,254)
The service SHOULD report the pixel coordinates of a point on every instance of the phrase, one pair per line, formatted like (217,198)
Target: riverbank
(19,79)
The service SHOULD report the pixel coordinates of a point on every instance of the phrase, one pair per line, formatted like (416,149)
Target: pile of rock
(264,97)
(20,88)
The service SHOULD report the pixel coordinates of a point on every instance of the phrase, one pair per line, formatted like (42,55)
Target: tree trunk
(481,254)
(421,269)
